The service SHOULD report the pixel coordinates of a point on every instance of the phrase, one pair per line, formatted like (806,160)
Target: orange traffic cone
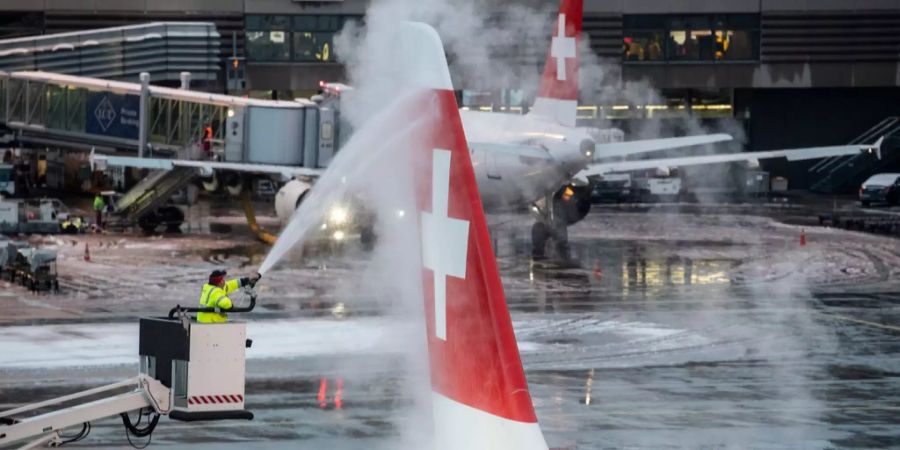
(87,253)
(802,237)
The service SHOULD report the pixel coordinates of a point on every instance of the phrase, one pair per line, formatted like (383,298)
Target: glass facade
(303,38)
(690,38)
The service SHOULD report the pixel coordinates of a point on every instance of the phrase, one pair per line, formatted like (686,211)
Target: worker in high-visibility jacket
(215,295)
(99,206)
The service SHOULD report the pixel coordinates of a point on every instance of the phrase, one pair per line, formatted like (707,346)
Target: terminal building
(790,72)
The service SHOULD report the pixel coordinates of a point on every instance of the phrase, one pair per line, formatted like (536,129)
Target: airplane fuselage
(519,160)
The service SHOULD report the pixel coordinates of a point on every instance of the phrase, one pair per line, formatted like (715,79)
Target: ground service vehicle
(188,371)
(7,180)
(32,216)
(40,273)
(8,251)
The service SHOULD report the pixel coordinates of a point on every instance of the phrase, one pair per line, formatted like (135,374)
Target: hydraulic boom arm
(146,393)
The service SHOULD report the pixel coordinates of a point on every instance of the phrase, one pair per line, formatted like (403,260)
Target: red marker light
(338,396)
(323,387)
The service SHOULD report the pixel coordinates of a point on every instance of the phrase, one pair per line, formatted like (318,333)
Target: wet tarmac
(666,329)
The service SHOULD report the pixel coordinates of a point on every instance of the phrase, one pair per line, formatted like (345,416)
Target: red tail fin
(558,94)
(480,394)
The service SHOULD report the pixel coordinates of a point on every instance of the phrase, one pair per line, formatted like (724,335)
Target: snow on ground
(106,344)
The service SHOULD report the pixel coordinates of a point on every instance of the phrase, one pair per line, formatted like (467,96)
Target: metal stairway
(843,173)
(150,193)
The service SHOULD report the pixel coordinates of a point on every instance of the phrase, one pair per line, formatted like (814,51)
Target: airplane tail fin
(480,395)
(558,94)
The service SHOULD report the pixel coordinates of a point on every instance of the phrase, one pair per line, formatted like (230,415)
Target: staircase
(150,193)
(845,173)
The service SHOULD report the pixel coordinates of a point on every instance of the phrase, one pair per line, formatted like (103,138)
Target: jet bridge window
(15,24)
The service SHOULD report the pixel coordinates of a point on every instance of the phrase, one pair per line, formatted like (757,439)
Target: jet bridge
(115,117)
(72,111)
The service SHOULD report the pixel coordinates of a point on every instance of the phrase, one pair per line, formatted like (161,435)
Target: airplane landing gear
(551,225)
(541,233)
(554,215)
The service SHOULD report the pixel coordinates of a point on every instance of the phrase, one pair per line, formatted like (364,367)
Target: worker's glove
(245,281)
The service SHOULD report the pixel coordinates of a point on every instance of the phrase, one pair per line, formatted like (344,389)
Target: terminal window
(690,38)
(16,24)
(299,38)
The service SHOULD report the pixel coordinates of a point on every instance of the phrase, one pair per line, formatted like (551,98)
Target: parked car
(880,188)
(614,187)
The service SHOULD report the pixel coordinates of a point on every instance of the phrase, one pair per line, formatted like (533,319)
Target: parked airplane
(539,160)
(543,160)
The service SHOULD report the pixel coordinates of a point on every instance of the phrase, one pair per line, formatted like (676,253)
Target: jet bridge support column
(142,114)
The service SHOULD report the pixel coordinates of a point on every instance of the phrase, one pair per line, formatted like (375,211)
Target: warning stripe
(215,399)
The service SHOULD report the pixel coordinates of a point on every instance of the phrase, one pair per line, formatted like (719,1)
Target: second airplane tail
(558,94)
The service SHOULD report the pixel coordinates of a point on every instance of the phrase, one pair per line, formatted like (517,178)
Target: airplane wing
(204,167)
(798,154)
(612,149)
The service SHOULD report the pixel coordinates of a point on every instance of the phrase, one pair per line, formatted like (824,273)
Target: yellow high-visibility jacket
(216,297)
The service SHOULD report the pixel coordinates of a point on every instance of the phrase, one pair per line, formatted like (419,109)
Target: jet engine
(210,183)
(288,199)
(234,182)
(573,202)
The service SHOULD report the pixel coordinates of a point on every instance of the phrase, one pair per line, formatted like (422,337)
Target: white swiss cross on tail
(445,240)
(562,47)
(557,97)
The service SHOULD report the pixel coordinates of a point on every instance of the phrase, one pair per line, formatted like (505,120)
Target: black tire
(171,216)
(865,203)
(148,222)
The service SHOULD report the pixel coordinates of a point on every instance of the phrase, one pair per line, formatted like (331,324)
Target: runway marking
(658,411)
(866,322)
